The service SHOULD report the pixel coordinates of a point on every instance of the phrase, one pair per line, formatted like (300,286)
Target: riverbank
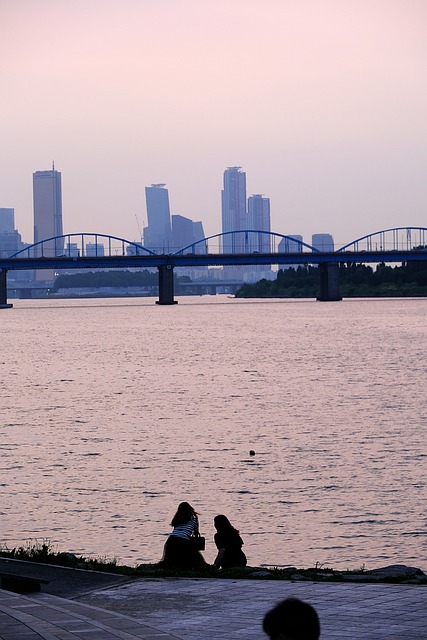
(40,558)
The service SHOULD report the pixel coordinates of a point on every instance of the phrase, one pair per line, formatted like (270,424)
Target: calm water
(113,411)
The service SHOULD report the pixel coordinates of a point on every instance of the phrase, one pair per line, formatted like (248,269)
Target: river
(115,410)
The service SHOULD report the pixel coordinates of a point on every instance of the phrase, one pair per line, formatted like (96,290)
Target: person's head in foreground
(292,619)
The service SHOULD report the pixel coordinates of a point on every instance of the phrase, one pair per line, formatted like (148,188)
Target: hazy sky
(322,102)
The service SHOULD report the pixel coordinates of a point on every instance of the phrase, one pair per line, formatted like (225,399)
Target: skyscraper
(259,219)
(234,216)
(186,233)
(47,197)
(158,232)
(182,231)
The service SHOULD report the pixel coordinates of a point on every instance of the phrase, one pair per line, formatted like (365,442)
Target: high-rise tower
(234,216)
(259,220)
(158,232)
(47,197)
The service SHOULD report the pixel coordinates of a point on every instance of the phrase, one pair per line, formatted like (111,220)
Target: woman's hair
(184,514)
(223,524)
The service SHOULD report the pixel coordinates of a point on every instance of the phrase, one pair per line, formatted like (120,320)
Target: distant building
(199,234)
(10,243)
(47,198)
(158,232)
(94,249)
(182,233)
(186,233)
(234,215)
(135,249)
(7,220)
(322,242)
(20,275)
(259,219)
(72,250)
(291,244)
(10,239)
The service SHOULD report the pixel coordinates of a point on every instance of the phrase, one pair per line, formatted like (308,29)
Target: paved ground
(105,607)
(46,617)
(234,609)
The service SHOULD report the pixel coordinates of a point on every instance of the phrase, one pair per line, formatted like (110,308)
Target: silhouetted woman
(179,551)
(229,544)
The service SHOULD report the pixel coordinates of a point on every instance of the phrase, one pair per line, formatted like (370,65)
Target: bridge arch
(250,241)
(395,239)
(71,245)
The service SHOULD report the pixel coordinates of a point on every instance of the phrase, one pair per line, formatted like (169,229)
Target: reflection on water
(113,411)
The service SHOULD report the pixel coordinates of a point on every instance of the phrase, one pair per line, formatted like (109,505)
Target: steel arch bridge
(100,245)
(97,251)
(250,241)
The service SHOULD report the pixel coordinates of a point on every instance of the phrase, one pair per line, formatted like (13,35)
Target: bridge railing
(76,245)
(397,239)
(246,241)
(100,245)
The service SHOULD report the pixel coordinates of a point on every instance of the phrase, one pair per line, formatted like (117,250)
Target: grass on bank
(44,552)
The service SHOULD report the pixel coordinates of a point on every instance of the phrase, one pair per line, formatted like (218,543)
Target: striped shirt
(185,530)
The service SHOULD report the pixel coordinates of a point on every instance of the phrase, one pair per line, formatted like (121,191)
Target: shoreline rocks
(395,573)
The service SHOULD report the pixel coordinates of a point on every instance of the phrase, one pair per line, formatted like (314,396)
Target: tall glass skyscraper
(234,216)
(259,219)
(158,232)
(47,197)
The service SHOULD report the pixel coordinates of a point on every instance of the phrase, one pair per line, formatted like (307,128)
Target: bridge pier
(166,285)
(3,290)
(329,282)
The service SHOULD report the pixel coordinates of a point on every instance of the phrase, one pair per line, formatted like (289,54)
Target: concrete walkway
(198,609)
(233,609)
(46,617)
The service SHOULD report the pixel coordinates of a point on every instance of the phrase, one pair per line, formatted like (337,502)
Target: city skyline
(47,197)
(164,229)
(322,103)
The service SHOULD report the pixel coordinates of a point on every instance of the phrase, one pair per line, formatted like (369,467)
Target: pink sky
(322,102)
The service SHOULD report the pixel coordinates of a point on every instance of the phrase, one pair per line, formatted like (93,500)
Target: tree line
(109,278)
(356,280)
